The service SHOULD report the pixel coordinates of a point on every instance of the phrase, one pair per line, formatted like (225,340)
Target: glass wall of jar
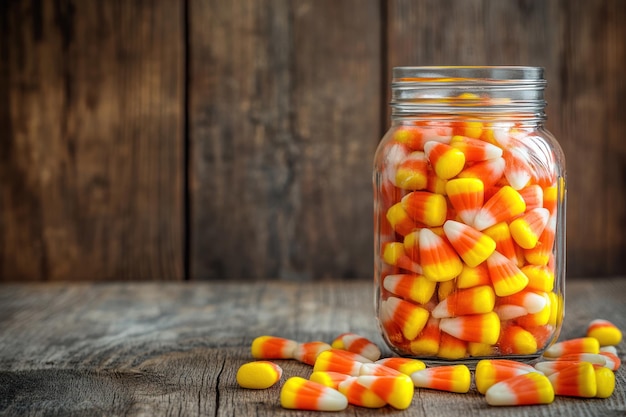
(469,201)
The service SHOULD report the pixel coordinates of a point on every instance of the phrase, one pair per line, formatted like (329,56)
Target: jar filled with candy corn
(469,201)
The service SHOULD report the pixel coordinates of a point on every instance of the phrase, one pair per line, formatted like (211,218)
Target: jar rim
(467,74)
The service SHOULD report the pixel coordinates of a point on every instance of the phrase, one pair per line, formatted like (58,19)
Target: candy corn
(360,395)
(452,378)
(426,207)
(605,382)
(451,348)
(329,378)
(481,328)
(532,302)
(446,160)
(514,340)
(489,172)
(533,196)
(473,277)
(475,300)
(394,254)
(506,277)
(505,204)
(397,391)
(525,389)
(271,347)
(518,171)
(492,371)
(439,261)
(475,150)
(473,246)
(405,365)
(578,380)
(301,394)
(427,343)
(416,288)
(592,358)
(377,369)
(613,362)
(605,332)
(410,317)
(411,173)
(466,196)
(505,244)
(357,344)
(307,352)
(258,375)
(579,345)
(335,360)
(527,228)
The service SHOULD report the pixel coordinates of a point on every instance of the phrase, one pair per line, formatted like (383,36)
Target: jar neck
(502,94)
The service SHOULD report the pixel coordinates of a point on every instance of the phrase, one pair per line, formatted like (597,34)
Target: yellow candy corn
(411,173)
(605,382)
(258,375)
(409,317)
(328,378)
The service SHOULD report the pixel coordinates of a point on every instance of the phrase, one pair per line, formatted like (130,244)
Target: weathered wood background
(233,139)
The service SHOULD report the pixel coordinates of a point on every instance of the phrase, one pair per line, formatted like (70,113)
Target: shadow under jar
(469,216)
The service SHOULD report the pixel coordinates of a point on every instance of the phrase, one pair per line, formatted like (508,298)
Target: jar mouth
(514,90)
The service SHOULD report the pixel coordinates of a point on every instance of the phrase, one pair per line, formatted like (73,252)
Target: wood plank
(174,348)
(284,121)
(91,168)
(581,47)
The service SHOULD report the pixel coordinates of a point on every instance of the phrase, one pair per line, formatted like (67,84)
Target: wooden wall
(233,139)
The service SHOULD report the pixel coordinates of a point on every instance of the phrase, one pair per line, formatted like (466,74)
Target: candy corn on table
(175,348)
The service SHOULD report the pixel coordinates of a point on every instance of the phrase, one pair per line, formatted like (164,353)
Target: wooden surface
(233,139)
(155,349)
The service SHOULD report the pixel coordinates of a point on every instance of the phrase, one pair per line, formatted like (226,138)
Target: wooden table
(174,348)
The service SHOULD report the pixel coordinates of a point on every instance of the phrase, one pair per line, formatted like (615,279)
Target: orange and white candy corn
(405,365)
(397,391)
(451,348)
(532,195)
(309,351)
(526,389)
(605,332)
(450,378)
(475,300)
(505,244)
(394,254)
(527,228)
(578,345)
(480,328)
(491,371)
(592,358)
(301,394)
(416,288)
(258,374)
(446,160)
(409,317)
(518,171)
(438,259)
(272,347)
(412,172)
(342,361)
(360,395)
(489,172)
(506,277)
(474,149)
(473,277)
(427,343)
(578,380)
(400,221)
(467,196)
(515,340)
(426,207)
(504,205)
(357,344)
(473,246)
(329,378)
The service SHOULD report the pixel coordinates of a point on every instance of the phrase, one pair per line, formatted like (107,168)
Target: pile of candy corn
(350,371)
(466,219)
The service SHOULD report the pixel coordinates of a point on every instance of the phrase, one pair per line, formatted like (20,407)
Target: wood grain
(91,167)
(284,121)
(173,349)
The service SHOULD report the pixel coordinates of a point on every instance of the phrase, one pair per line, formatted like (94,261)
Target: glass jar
(469,216)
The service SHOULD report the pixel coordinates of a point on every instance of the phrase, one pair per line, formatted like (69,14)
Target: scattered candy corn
(335,360)
(359,395)
(397,391)
(271,347)
(605,332)
(579,345)
(307,352)
(405,365)
(577,380)
(301,394)
(258,375)
(492,371)
(525,389)
(357,344)
(452,378)
(605,382)
(329,378)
